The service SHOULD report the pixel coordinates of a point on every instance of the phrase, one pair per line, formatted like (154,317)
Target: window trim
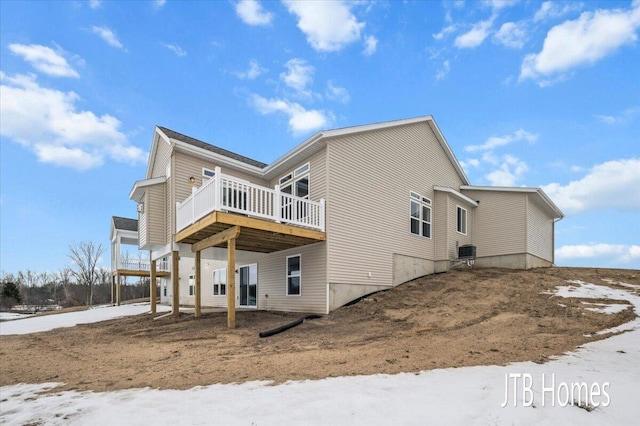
(192,285)
(287,276)
(223,276)
(210,171)
(293,178)
(423,202)
(459,222)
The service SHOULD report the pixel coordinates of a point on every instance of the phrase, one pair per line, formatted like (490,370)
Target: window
(462,221)
(220,282)
(191,285)
(164,288)
(296,184)
(208,173)
(420,215)
(294,275)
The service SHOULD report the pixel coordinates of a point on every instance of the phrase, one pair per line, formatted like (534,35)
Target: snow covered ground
(608,372)
(35,324)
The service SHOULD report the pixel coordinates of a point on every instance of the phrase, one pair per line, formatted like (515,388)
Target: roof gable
(125,223)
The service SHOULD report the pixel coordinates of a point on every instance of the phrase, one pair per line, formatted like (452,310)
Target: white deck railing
(226,193)
(142,265)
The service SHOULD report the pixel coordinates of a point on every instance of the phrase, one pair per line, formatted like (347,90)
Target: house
(124,232)
(347,212)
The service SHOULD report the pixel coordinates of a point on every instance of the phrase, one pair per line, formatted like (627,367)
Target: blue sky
(542,94)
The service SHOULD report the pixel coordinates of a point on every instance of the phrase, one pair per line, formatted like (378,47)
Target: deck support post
(175,277)
(197,283)
(118,289)
(231,283)
(152,286)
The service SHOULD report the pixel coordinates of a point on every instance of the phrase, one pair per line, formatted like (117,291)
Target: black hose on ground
(288,325)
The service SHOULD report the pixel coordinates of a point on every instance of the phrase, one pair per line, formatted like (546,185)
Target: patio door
(248,286)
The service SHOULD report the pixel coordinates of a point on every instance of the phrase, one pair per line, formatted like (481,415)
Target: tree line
(80,283)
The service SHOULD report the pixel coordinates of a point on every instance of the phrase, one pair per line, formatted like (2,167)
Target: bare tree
(85,257)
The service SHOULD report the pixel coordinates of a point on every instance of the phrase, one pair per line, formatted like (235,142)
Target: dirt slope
(461,318)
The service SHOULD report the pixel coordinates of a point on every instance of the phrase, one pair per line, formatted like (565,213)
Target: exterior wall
(272,280)
(512,261)
(186,166)
(142,229)
(407,268)
(317,175)
(154,204)
(500,222)
(455,238)
(441,224)
(539,232)
(368,204)
(161,160)
(187,268)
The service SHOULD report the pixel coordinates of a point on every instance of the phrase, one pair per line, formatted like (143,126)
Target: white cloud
(252,13)
(582,41)
(46,121)
(44,59)
(95,4)
(442,72)
(625,253)
(159,3)
(108,36)
(499,4)
(328,25)
(300,120)
(624,117)
(298,76)
(511,34)
(254,71)
(475,36)
(511,169)
(176,49)
(370,45)
(337,93)
(550,10)
(445,32)
(613,184)
(497,141)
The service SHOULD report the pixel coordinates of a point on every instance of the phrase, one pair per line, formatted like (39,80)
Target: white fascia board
(538,191)
(456,194)
(137,190)
(447,149)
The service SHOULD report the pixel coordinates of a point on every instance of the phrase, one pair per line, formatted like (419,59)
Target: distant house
(345,213)
(124,232)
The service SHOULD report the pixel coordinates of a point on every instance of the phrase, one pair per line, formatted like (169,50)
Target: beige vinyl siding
(500,222)
(317,175)
(272,281)
(539,232)
(162,159)
(455,238)
(155,205)
(186,166)
(142,229)
(368,205)
(441,224)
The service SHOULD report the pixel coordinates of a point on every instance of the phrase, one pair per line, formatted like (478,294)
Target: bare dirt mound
(461,318)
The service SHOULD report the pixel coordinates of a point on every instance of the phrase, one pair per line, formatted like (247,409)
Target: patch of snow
(37,324)
(610,281)
(468,395)
(606,308)
(12,315)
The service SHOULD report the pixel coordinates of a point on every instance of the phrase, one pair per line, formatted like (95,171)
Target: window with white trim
(420,215)
(208,173)
(296,184)
(294,275)
(461,220)
(192,285)
(220,282)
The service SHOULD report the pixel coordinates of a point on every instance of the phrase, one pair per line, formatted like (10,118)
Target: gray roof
(198,143)
(125,223)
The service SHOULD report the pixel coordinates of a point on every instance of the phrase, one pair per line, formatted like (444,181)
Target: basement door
(248,286)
